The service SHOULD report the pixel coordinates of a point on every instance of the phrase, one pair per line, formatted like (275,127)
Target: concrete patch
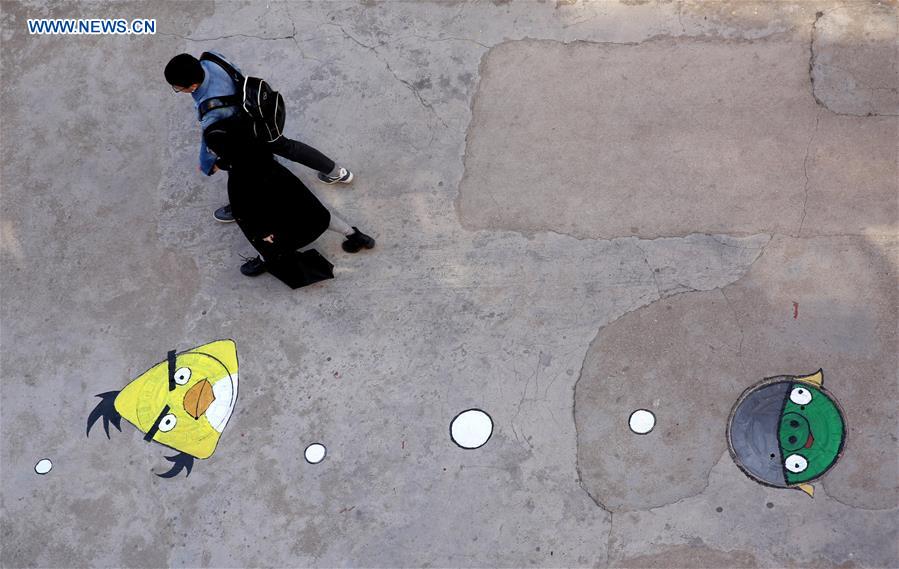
(664,138)
(854,59)
(690,357)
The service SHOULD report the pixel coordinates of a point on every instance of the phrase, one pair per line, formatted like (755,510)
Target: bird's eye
(800,396)
(168,423)
(796,463)
(182,376)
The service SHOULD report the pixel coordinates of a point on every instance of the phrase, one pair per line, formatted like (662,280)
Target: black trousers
(304,154)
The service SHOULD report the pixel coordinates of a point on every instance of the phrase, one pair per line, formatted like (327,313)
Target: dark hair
(184,70)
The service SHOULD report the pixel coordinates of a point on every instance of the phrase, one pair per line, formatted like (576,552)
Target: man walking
(205,80)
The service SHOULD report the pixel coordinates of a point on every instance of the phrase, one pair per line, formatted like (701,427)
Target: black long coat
(267,199)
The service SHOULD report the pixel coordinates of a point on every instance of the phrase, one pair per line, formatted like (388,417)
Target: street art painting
(183,402)
(787,431)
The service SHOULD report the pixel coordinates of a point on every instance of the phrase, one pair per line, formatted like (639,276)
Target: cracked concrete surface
(110,258)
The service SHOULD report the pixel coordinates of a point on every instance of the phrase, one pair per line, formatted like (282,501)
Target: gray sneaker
(223,214)
(344,176)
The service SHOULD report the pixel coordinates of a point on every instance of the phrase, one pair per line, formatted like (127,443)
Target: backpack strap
(229,69)
(213,103)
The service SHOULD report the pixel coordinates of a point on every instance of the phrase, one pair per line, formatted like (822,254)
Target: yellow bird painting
(184,402)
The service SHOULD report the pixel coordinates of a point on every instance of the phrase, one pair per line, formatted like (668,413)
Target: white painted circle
(43,466)
(315,453)
(641,421)
(471,429)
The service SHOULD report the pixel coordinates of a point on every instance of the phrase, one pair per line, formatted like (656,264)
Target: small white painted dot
(641,421)
(315,453)
(43,466)
(471,429)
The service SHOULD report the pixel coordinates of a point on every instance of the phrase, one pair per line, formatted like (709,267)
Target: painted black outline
(323,457)
(788,379)
(632,414)
(43,473)
(492,428)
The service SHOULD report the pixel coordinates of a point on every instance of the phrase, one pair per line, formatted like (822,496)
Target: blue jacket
(216,83)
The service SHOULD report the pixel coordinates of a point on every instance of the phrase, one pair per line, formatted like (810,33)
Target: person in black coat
(274,209)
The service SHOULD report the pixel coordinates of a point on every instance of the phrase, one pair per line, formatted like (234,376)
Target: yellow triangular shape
(808,489)
(815,379)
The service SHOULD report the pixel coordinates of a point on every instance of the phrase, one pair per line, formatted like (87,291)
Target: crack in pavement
(524,394)
(609,539)
(450,38)
(652,271)
(424,103)
(805,172)
(813,57)
(714,237)
(297,42)
(251,36)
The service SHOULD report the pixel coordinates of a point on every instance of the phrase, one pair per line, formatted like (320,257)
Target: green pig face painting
(787,431)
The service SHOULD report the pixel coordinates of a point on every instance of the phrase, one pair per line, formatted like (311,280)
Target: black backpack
(256,97)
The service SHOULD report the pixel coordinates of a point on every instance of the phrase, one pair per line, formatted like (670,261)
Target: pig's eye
(796,463)
(800,396)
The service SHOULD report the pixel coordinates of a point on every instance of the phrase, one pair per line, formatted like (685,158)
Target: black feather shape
(106,409)
(179,462)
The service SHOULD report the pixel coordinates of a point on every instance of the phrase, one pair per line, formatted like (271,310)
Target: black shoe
(253,267)
(343,176)
(224,214)
(356,241)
